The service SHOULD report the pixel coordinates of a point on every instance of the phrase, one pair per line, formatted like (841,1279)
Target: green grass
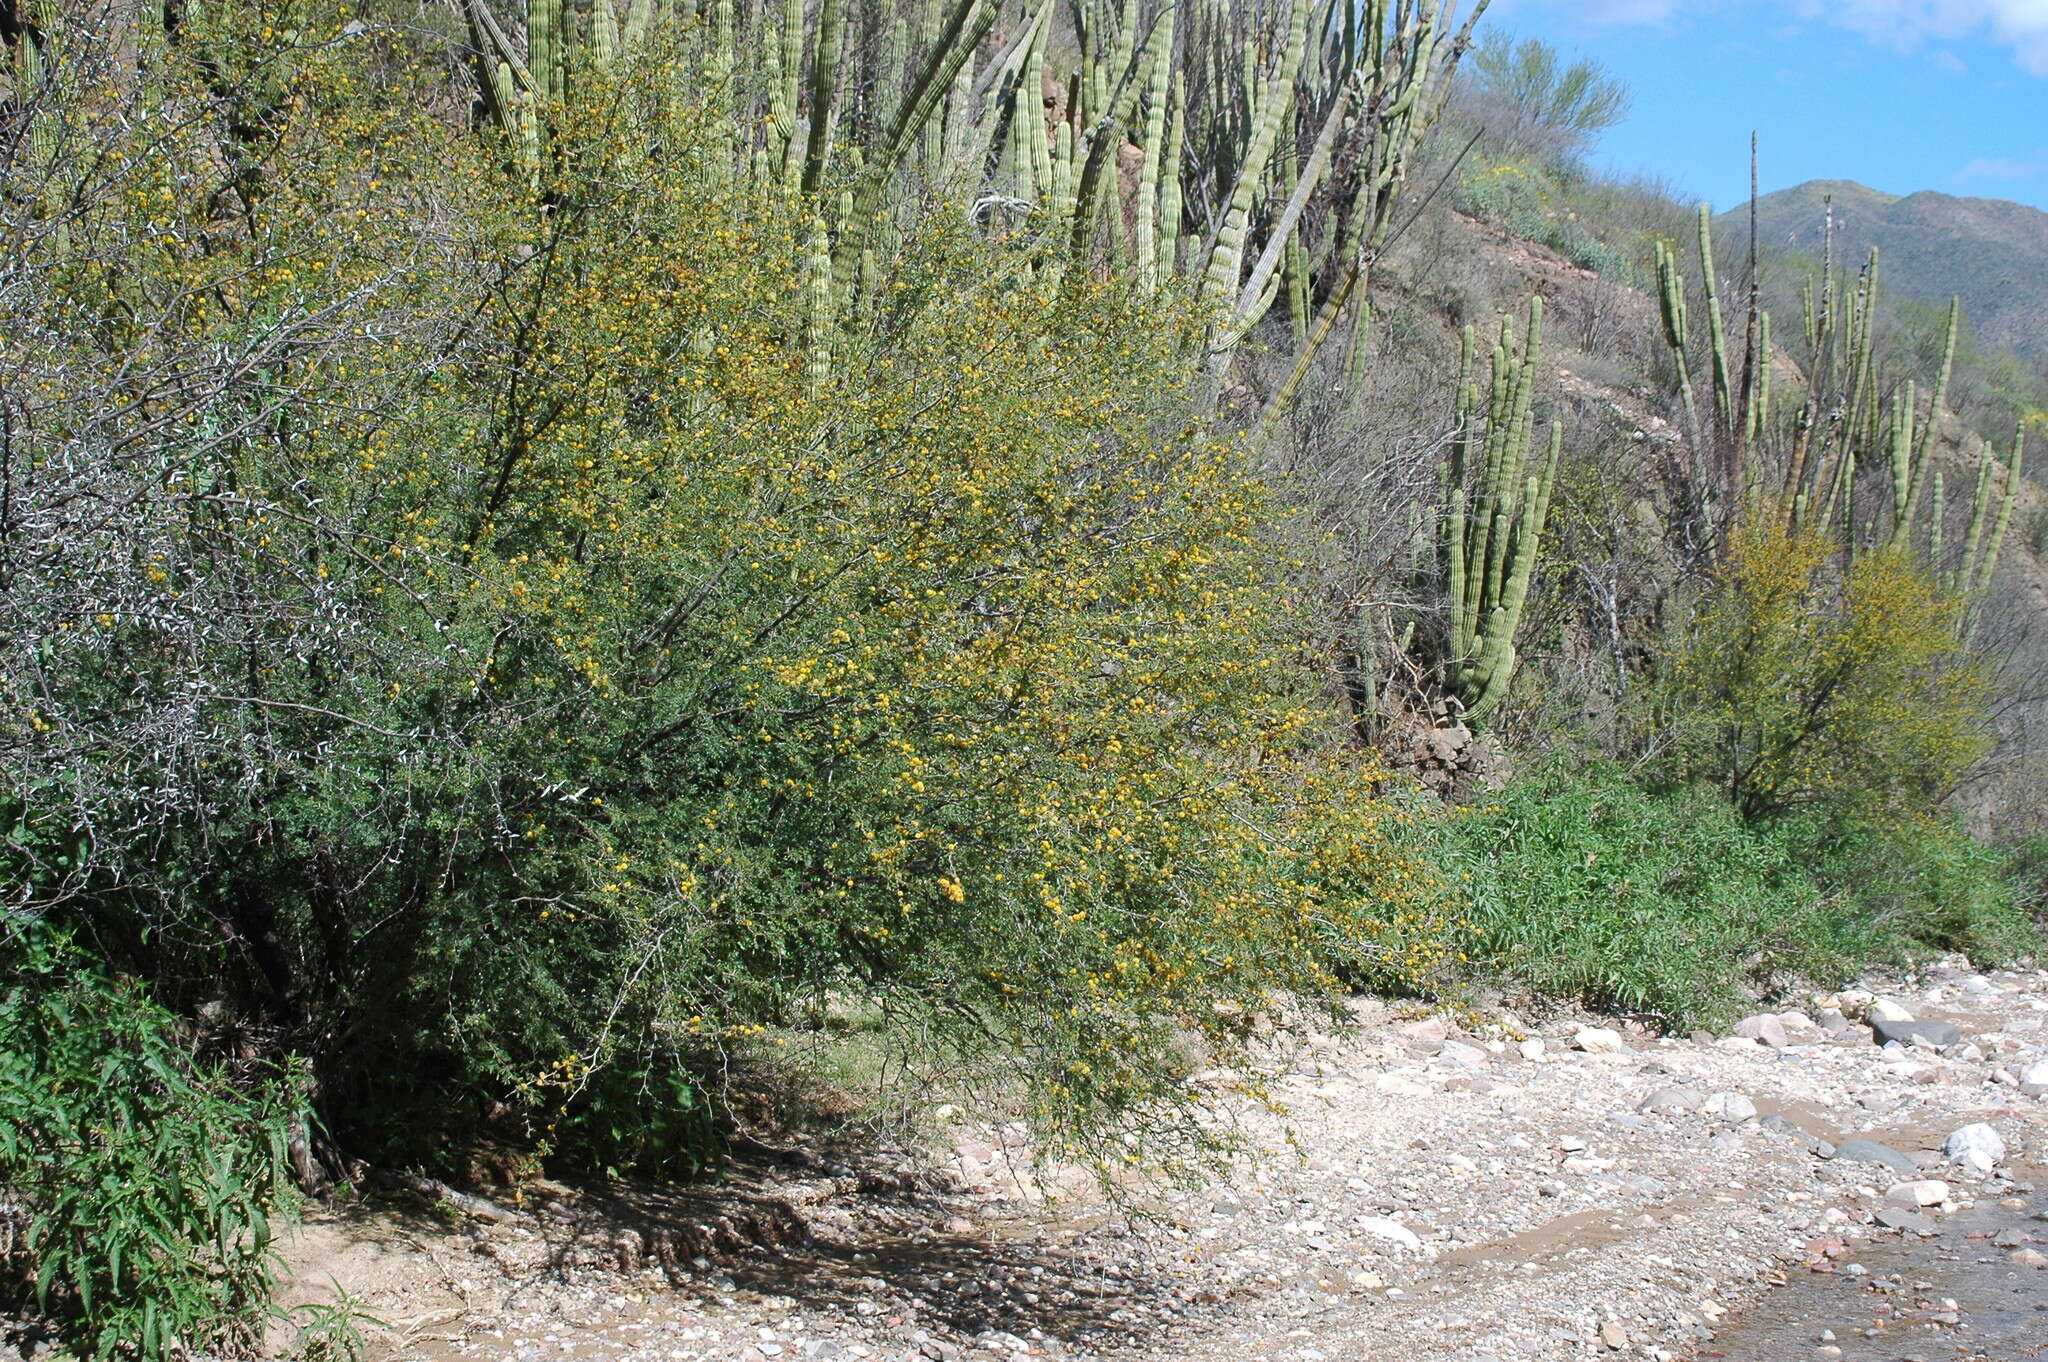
(151,1183)
(1580,883)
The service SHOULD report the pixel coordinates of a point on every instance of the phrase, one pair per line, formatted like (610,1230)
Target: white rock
(1463,1055)
(1921,1192)
(1976,1145)
(1884,1009)
(1400,1085)
(2034,1078)
(1392,1231)
(1598,1040)
(1532,1049)
(1730,1106)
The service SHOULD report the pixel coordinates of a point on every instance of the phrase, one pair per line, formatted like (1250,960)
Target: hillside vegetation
(552,560)
(1991,253)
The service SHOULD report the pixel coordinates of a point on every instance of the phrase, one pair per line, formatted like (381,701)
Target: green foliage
(147,1184)
(1923,882)
(1807,681)
(1580,882)
(1531,100)
(568,639)
(641,1114)
(1546,208)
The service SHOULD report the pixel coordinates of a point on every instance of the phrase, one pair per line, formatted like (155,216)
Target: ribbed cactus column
(1975,573)
(1496,501)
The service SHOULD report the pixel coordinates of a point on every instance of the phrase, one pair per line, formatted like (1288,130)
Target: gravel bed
(1420,1189)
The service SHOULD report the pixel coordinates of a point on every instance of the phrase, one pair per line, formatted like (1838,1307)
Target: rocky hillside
(1990,252)
(1595,330)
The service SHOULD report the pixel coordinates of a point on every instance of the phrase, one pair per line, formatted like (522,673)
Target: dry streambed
(1426,1192)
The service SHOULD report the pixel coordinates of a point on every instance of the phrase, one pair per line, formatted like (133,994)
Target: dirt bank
(1426,1192)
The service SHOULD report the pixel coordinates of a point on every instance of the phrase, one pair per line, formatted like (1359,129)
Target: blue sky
(1902,95)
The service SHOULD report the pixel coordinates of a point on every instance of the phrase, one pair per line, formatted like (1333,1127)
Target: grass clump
(1581,882)
(140,1189)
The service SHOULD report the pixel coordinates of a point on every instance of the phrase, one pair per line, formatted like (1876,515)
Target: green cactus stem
(1492,531)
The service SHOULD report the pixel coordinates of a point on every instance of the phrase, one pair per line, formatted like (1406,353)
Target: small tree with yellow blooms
(1812,677)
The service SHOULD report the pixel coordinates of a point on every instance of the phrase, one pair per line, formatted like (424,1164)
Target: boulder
(1598,1040)
(2034,1079)
(1918,1192)
(1870,1151)
(1764,1027)
(1884,1009)
(1670,1101)
(1975,1146)
(1934,1034)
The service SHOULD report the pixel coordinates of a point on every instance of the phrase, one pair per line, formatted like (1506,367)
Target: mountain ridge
(1991,253)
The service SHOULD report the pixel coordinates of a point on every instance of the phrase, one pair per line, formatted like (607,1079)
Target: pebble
(1466,1056)
(1763,1027)
(1672,1101)
(1393,1231)
(1409,1208)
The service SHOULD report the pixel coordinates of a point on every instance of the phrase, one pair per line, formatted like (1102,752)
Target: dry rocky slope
(1427,1190)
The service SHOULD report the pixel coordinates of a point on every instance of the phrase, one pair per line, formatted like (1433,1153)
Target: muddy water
(1955,1296)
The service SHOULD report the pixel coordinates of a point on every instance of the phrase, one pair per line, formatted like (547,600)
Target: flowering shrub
(497,638)
(1812,680)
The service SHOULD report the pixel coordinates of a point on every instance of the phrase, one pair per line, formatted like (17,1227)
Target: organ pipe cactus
(1154,167)
(819,308)
(1226,257)
(1676,317)
(1843,420)
(1978,568)
(1717,331)
(1245,113)
(1970,575)
(1497,499)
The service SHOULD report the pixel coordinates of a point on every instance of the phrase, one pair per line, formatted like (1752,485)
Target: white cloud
(2021,25)
(2002,168)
